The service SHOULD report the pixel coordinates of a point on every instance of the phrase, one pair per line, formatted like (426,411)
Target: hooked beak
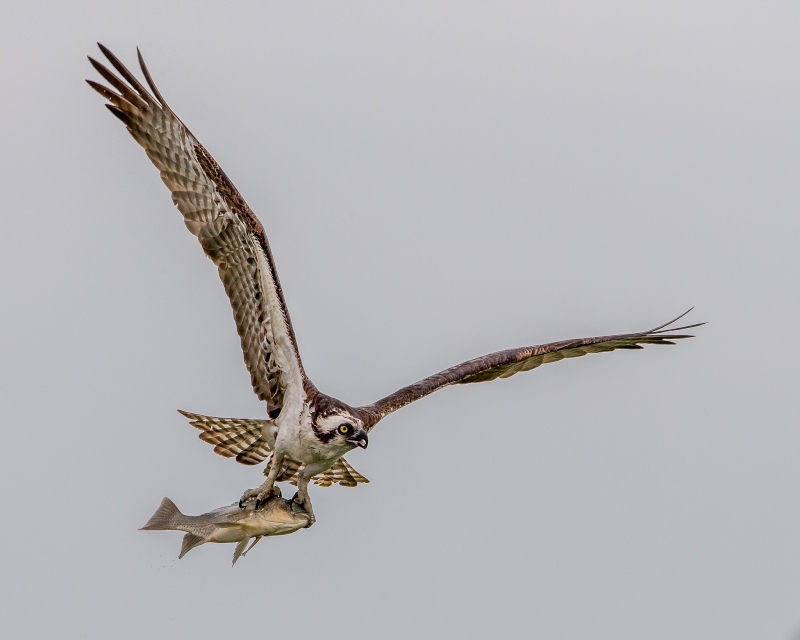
(359,439)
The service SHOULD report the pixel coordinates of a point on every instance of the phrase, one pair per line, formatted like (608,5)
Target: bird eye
(345,428)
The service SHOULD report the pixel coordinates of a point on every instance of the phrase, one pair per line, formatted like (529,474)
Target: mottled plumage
(307,432)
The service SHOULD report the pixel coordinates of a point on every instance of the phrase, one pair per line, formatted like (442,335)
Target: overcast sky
(438,180)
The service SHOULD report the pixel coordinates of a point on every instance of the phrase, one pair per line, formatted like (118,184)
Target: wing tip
(149,79)
(664,328)
(136,86)
(119,113)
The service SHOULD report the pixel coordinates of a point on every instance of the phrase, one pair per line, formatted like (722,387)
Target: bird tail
(167,517)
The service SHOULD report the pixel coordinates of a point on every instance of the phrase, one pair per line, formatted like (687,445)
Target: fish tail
(166,517)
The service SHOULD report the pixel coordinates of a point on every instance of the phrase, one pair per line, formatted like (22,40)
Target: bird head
(341,428)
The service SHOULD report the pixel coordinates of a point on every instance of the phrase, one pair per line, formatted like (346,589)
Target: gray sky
(438,180)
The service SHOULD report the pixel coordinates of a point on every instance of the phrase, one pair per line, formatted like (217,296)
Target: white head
(340,428)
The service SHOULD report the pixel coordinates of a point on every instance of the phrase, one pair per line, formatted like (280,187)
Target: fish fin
(255,542)
(239,550)
(190,541)
(164,518)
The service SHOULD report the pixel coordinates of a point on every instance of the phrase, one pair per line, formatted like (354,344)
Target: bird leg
(266,490)
(301,497)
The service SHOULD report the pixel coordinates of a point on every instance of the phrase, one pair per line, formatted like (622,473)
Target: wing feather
(227,229)
(504,364)
(246,440)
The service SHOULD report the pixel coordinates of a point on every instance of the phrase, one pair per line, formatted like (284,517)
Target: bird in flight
(306,432)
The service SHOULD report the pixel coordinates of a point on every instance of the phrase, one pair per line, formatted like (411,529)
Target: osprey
(307,432)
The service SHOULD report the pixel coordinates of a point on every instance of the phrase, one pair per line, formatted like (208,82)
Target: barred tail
(166,517)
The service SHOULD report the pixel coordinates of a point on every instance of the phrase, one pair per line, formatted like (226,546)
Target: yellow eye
(344,428)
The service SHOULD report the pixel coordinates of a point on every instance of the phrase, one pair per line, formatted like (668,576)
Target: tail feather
(165,518)
(190,541)
(342,473)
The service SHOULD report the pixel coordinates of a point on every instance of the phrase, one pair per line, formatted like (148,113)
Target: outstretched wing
(249,441)
(227,229)
(504,364)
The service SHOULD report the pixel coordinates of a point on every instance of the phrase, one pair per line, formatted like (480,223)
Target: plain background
(438,181)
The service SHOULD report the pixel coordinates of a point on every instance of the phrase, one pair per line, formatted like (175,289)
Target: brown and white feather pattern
(244,439)
(247,440)
(504,364)
(227,229)
(340,473)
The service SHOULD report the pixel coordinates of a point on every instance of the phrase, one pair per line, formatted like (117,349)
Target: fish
(276,517)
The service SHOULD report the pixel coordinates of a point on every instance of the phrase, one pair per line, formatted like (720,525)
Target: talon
(264,497)
(248,495)
(304,503)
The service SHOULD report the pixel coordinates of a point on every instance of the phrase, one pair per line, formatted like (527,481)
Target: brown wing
(227,229)
(506,363)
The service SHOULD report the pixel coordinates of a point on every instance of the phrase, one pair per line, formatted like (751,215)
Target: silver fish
(277,517)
